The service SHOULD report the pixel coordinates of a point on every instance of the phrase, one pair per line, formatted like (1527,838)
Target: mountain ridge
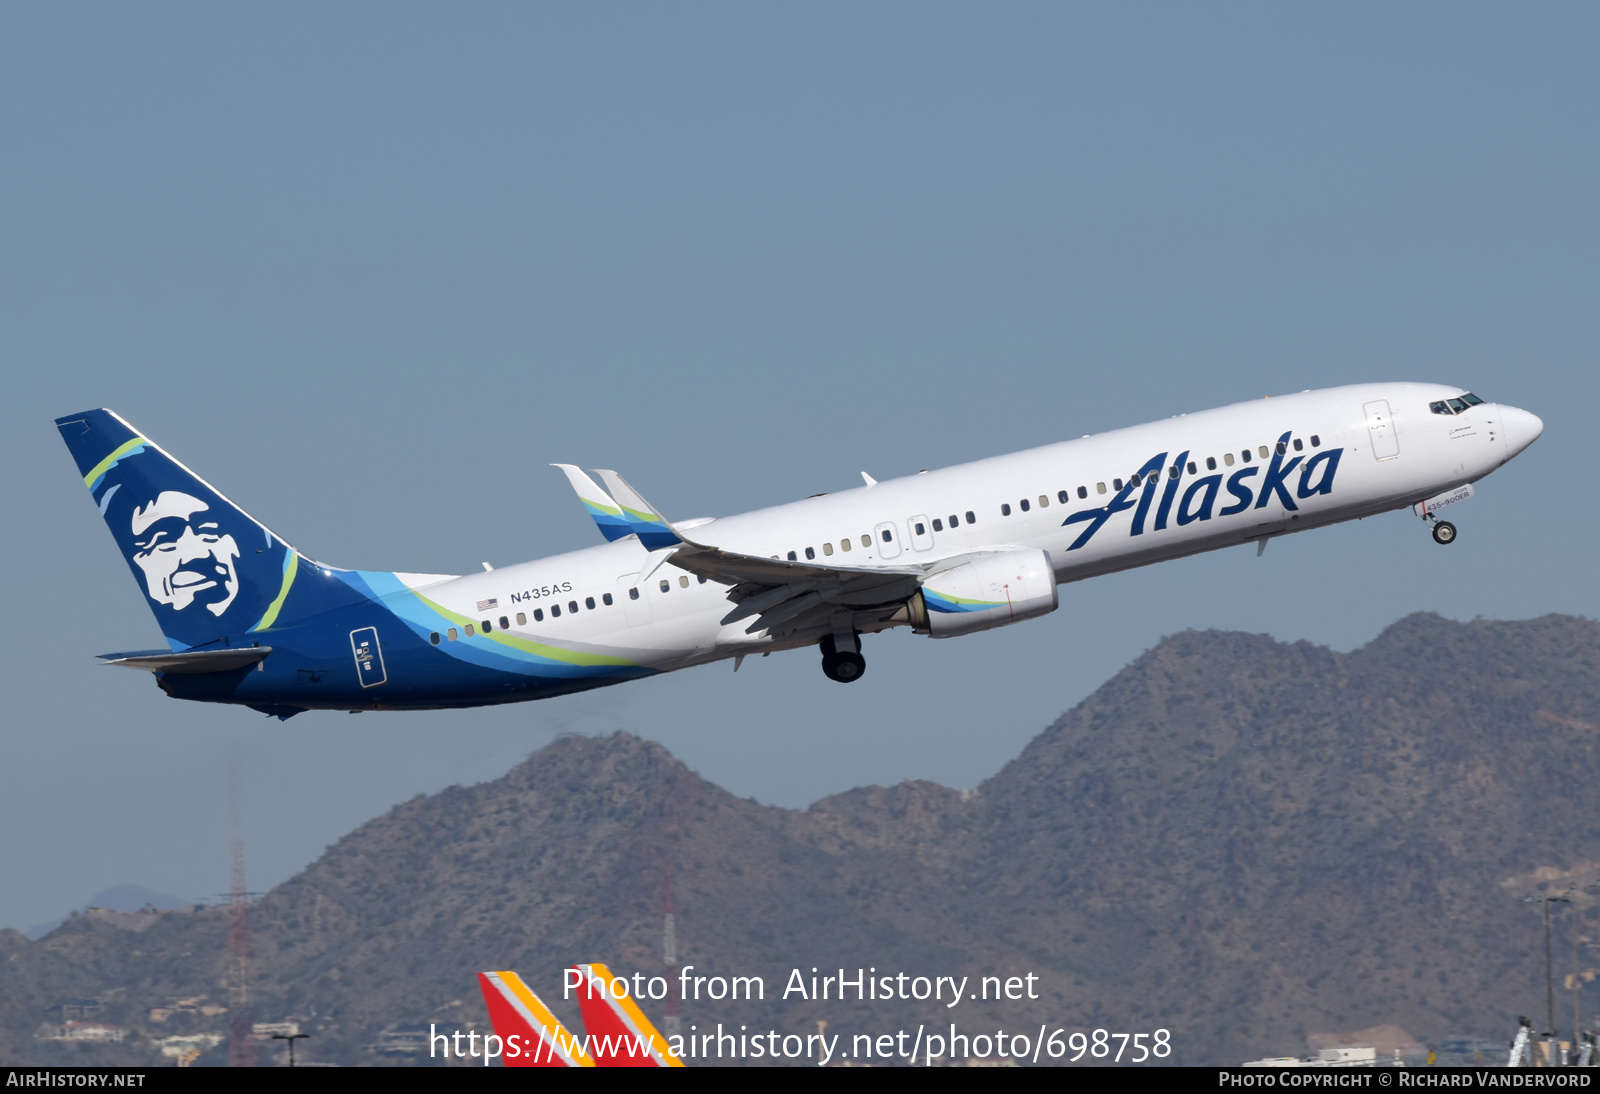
(1237,839)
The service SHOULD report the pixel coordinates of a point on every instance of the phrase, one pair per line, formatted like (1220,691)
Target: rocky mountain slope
(1242,841)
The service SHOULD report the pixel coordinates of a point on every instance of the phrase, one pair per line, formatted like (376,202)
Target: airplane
(250,620)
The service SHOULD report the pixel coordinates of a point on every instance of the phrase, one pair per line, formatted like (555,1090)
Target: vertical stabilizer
(540,1039)
(619,1033)
(208,569)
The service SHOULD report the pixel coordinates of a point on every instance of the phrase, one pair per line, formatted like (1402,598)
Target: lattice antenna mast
(669,952)
(241,1038)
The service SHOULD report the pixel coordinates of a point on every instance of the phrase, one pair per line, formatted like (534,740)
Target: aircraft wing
(606,512)
(782,597)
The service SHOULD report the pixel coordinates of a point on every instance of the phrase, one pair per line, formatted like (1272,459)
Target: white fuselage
(1388,451)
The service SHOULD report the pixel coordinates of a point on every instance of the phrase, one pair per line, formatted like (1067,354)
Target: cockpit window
(1440,407)
(1471,399)
(1457,405)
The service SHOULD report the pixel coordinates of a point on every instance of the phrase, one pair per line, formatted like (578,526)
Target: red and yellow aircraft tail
(533,1036)
(619,1033)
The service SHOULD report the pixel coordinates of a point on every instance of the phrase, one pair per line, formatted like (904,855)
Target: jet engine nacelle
(990,590)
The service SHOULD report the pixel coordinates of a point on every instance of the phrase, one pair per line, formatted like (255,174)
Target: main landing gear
(841,657)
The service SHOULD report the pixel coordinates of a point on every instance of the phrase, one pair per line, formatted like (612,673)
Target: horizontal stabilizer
(650,526)
(190,660)
(606,512)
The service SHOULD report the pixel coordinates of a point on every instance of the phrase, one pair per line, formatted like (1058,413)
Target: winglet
(619,1033)
(606,513)
(540,1039)
(650,526)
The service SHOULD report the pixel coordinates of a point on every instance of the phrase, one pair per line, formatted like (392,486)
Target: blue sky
(371,268)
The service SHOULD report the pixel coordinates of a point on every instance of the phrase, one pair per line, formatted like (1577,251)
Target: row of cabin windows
(1264,451)
(888,536)
(451,634)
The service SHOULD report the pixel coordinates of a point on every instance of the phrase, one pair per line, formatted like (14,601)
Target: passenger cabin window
(827,549)
(1005,509)
(793,557)
(434,638)
(810,554)
(844,545)
(1263,451)
(1282,448)
(938,525)
(1227,458)
(920,529)
(683,581)
(588,602)
(1191,467)
(888,536)
(1316,441)
(866,540)
(666,586)
(970,518)
(486,628)
(1100,487)
(450,634)
(469,630)
(555,611)
(505,624)
(1299,445)
(572,606)
(1211,463)
(701,579)
(1245,455)
(1063,497)
(1117,483)
(522,617)
(538,615)
(1024,504)
(633,594)
(1083,491)
(1044,501)
(605,598)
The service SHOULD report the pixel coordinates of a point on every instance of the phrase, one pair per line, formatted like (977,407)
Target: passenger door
(1380,426)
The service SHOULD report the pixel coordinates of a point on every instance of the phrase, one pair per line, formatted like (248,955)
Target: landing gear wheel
(843,667)
(1444,532)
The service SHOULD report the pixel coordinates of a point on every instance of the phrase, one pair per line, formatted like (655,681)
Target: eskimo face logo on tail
(1197,500)
(185,557)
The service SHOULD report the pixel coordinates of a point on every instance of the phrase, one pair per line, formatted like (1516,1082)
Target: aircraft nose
(1521,428)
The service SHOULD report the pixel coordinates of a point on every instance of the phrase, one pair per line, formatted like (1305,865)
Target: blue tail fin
(209,570)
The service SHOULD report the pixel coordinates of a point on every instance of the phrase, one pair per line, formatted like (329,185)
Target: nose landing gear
(1444,532)
(841,657)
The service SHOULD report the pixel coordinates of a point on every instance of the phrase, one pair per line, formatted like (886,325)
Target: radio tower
(241,1040)
(669,951)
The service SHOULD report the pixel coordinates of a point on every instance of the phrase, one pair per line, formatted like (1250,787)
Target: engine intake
(991,590)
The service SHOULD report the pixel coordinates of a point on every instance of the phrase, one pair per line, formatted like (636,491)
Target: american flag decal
(485,605)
